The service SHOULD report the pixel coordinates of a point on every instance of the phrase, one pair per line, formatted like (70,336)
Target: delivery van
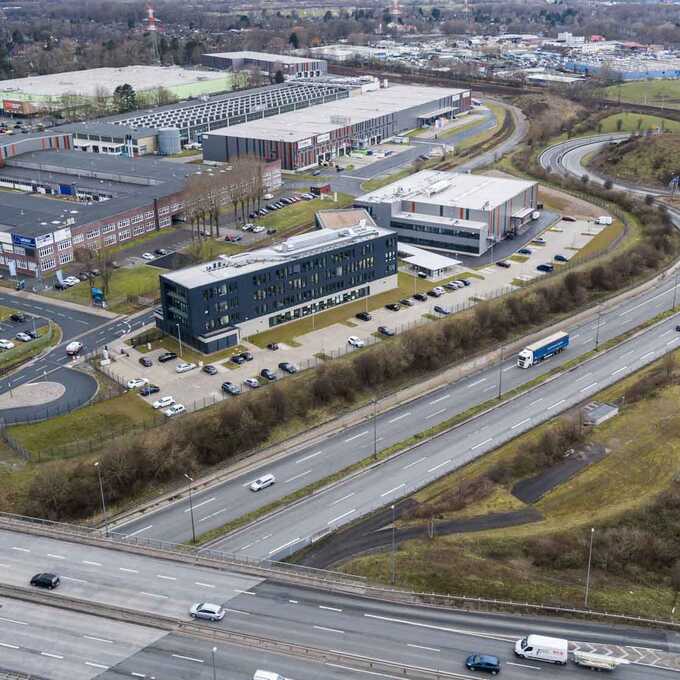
(541,648)
(267,675)
(604,219)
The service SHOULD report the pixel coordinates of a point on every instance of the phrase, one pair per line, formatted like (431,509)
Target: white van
(604,219)
(267,675)
(541,648)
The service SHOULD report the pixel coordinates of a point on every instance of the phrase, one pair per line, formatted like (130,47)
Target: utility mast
(152,26)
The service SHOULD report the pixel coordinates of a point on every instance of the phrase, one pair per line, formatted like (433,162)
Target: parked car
(33,334)
(24,337)
(209,369)
(384,330)
(232,238)
(146,362)
(237,359)
(568,218)
(18,317)
(262,482)
(271,232)
(355,341)
(268,374)
(208,611)
(252,216)
(483,662)
(288,367)
(45,580)
(166,356)
(252,382)
(134,383)
(545,267)
(363,316)
(453,285)
(441,310)
(525,251)
(258,230)
(247,356)
(164,402)
(160,251)
(174,410)
(393,306)
(74,348)
(406,302)
(539,240)
(503,263)
(148,390)
(560,258)
(71,281)
(230,388)
(273,346)
(148,256)
(249,226)
(420,296)
(6,344)
(466,282)
(184,367)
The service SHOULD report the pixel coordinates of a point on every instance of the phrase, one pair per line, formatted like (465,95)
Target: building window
(93,233)
(165,222)
(136,219)
(110,240)
(78,238)
(47,250)
(65,259)
(148,215)
(123,223)
(64,245)
(138,230)
(108,228)
(44,264)
(123,234)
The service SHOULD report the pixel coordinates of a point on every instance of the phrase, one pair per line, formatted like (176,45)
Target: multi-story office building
(215,304)
(450,211)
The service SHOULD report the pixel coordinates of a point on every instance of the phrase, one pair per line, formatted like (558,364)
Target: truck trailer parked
(542,349)
(598,662)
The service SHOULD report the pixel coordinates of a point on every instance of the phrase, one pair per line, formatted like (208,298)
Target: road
(407,634)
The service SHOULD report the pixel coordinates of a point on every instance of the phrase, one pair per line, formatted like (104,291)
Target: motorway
(77,646)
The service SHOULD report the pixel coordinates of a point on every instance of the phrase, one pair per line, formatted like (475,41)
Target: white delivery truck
(604,219)
(541,648)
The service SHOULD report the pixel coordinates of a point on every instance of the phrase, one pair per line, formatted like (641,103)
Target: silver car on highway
(206,610)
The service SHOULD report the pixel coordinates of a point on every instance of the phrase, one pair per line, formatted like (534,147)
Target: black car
(32,334)
(483,662)
(267,373)
(18,317)
(271,232)
(253,215)
(146,362)
(209,369)
(503,263)
(434,293)
(406,302)
(45,580)
(247,356)
(441,310)
(230,388)
(238,359)
(148,390)
(420,296)
(466,282)
(384,330)
(560,258)
(677,328)
(160,251)
(393,306)
(167,356)
(363,316)
(273,346)
(545,268)
(288,367)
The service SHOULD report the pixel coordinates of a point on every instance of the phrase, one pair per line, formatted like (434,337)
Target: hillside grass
(636,122)
(651,92)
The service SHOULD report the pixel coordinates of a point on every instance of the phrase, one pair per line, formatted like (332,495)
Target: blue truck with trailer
(542,349)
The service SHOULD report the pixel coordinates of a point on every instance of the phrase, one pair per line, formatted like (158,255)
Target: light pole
(179,339)
(675,288)
(191,509)
(375,428)
(500,374)
(394,547)
(101,491)
(590,557)
(597,331)
(214,649)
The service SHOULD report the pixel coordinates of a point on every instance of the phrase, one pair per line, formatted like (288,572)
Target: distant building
(452,212)
(290,67)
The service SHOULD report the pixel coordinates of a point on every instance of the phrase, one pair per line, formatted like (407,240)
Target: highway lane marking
(387,493)
(210,500)
(356,436)
(19,623)
(188,658)
(344,514)
(583,377)
(160,597)
(436,467)
(557,403)
(344,498)
(627,353)
(96,639)
(167,578)
(130,571)
(75,580)
(52,656)
(245,547)
(523,665)
(330,630)
(576,335)
(415,462)
(204,585)
(646,302)
(516,425)
(138,675)
(403,415)
(244,592)
(429,649)
(285,545)
(293,601)
(673,341)
(214,514)
(329,609)
(139,531)
(486,441)
(666,333)
(479,382)
(436,413)
(644,356)
(302,474)
(488,389)
(97,665)
(588,387)
(236,611)
(26,550)
(588,339)
(436,401)
(359,670)
(535,401)
(6,644)
(56,557)
(618,370)
(312,455)
(509,368)
(92,564)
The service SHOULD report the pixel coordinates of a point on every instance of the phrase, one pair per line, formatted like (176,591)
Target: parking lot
(196,389)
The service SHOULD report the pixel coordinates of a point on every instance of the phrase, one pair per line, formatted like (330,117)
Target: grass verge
(48,336)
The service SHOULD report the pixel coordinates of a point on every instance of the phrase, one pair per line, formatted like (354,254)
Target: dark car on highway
(148,390)
(146,362)
(268,373)
(45,580)
(167,356)
(483,662)
(18,317)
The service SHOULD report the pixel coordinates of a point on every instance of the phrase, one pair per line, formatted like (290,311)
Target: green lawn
(475,119)
(653,92)
(126,411)
(149,236)
(6,312)
(500,112)
(23,351)
(302,214)
(635,122)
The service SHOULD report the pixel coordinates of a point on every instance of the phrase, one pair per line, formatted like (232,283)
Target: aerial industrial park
(339,342)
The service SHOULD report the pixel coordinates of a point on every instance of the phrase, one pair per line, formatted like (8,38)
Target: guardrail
(220,634)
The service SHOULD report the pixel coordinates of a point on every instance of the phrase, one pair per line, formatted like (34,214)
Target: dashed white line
(96,639)
(666,333)
(478,382)
(312,455)
(509,368)
(210,500)
(356,436)
(486,441)
(75,580)
(396,488)
(329,609)
(302,474)
(19,623)
(160,597)
(204,585)
(429,649)
(535,401)
(516,425)
(523,665)
(188,658)
(436,467)
(557,403)
(139,531)
(214,514)
(6,644)
(618,370)
(435,414)
(285,545)
(436,401)
(92,564)
(26,550)
(52,656)
(138,675)
(330,630)
(245,547)
(167,578)
(403,415)
(56,557)
(644,356)
(588,387)
(583,377)
(344,498)
(415,462)
(129,571)
(344,514)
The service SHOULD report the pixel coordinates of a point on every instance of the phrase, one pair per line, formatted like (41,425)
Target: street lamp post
(597,330)
(394,547)
(214,649)
(179,339)
(500,374)
(101,492)
(590,557)
(191,509)
(375,428)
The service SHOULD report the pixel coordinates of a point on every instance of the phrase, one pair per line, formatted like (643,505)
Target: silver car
(206,610)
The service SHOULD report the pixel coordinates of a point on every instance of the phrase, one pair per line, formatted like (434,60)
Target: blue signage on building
(23,241)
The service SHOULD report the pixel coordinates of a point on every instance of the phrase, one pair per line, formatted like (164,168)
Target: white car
(206,610)
(24,337)
(71,281)
(6,344)
(164,402)
(439,289)
(248,227)
(74,347)
(252,382)
(184,367)
(148,256)
(268,197)
(258,229)
(134,383)
(355,341)
(262,482)
(174,410)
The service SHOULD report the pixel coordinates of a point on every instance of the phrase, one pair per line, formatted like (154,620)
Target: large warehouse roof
(299,125)
(261,56)
(475,192)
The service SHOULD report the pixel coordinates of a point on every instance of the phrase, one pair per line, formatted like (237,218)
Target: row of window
(318,306)
(437,229)
(442,245)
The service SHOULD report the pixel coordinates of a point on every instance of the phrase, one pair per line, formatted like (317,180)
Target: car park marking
(139,531)
(344,498)
(436,401)
(396,488)
(188,658)
(523,665)
(436,467)
(210,500)
(302,474)
(312,455)
(429,649)
(344,514)
(356,436)
(486,441)
(435,414)
(403,415)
